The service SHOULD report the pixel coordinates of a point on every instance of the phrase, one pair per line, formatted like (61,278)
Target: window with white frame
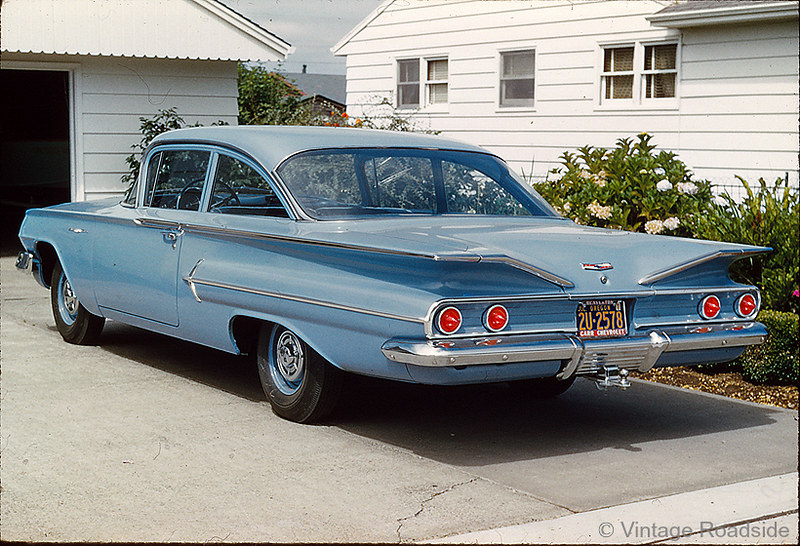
(660,71)
(517,78)
(436,83)
(408,83)
(414,91)
(639,72)
(617,78)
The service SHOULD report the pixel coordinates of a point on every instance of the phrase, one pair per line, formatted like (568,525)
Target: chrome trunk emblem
(602,266)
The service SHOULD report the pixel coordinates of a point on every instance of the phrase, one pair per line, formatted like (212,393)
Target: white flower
(672,223)
(687,187)
(601,182)
(599,211)
(664,185)
(567,207)
(654,226)
(585,174)
(642,171)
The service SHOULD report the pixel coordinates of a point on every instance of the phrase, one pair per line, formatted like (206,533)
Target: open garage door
(34,146)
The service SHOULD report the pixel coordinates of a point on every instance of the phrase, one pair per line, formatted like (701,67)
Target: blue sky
(311,26)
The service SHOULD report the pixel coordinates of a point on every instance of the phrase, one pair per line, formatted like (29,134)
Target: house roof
(174,29)
(330,86)
(691,13)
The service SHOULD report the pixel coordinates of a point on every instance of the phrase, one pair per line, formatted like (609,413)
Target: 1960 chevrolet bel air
(408,257)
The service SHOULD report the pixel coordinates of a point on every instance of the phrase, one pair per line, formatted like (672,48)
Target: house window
(436,84)
(660,71)
(617,78)
(517,78)
(408,83)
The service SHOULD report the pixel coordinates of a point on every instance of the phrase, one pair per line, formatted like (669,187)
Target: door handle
(171,237)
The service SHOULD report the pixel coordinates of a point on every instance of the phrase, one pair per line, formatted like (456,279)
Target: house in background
(716,82)
(78,75)
(326,92)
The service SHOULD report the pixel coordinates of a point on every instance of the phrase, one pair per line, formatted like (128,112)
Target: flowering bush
(767,216)
(629,187)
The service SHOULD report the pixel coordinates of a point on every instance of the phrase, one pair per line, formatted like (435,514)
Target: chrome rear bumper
(580,356)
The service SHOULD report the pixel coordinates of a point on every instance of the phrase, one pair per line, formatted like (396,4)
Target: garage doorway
(34,146)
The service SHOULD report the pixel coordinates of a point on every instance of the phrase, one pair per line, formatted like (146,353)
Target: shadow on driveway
(471,425)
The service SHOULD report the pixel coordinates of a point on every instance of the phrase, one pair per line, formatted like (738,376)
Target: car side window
(239,189)
(175,179)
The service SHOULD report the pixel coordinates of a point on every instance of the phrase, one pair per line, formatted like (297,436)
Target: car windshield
(334,184)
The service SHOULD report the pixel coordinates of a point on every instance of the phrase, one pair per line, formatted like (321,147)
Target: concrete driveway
(146,438)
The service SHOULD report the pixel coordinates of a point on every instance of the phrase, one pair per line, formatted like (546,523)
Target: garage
(35,156)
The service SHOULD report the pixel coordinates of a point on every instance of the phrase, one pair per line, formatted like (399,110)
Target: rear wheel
(547,387)
(74,323)
(300,385)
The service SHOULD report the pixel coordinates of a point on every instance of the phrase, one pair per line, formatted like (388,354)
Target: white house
(78,74)
(716,82)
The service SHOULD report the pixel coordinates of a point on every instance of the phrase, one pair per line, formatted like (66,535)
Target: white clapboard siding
(736,110)
(116,93)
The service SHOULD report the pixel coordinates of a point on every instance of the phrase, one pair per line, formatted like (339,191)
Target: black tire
(300,385)
(74,323)
(548,387)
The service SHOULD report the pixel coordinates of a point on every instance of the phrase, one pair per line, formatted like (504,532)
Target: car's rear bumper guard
(580,356)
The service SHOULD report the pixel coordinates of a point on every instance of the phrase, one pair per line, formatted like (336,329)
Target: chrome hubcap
(288,364)
(70,301)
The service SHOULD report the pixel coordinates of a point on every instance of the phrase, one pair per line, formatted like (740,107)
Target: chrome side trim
(581,357)
(679,268)
(460,257)
(193,281)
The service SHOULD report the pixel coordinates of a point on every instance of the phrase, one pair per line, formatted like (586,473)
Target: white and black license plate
(602,318)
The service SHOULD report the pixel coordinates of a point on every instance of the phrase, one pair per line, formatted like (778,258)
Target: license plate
(602,318)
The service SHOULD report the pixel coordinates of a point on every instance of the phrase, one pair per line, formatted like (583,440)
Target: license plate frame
(601,319)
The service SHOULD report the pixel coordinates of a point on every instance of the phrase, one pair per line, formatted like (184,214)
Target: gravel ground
(725,384)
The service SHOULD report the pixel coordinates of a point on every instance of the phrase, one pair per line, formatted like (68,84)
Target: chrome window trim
(285,197)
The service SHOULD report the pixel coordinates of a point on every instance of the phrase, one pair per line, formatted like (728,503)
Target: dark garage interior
(34,146)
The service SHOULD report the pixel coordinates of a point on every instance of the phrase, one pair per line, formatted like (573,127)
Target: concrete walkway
(760,511)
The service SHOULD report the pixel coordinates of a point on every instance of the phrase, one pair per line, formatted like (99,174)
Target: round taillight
(495,318)
(449,320)
(746,305)
(709,307)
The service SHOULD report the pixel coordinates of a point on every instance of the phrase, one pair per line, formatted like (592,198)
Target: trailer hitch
(610,375)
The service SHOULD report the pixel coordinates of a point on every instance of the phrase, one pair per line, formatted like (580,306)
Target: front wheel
(300,385)
(74,323)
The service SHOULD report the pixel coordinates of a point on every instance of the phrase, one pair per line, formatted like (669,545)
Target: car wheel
(548,387)
(300,385)
(74,323)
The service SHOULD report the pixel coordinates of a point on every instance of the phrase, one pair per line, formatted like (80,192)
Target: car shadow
(230,373)
(489,424)
(472,425)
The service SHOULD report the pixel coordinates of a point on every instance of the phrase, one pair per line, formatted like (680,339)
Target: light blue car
(327,251)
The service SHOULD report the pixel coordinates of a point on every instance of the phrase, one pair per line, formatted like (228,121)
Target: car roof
(271,144)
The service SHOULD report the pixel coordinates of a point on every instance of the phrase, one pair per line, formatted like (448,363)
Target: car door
(136,260)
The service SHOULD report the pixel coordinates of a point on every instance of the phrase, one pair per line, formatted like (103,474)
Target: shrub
(766,217)
(775,361)
(629,187)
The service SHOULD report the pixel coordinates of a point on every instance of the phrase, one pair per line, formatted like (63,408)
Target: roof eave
(751,13)
(360,26)
(247,26)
